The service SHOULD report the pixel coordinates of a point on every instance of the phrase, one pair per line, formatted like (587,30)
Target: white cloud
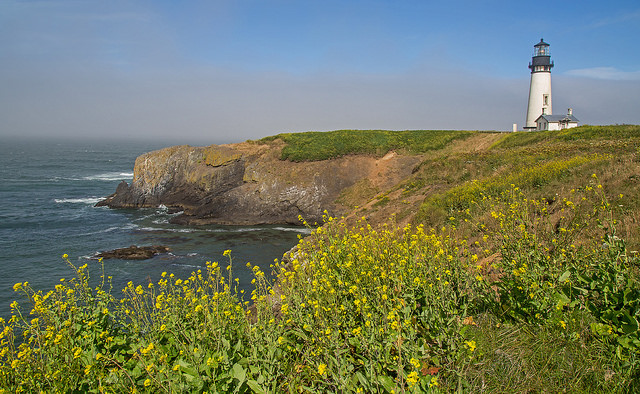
(608,73)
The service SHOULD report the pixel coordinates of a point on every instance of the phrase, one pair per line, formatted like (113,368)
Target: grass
(541,163)
(463,196)
(584,133)
(313,146)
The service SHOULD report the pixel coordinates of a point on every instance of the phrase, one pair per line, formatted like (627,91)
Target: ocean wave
(186,265)
(110,229)
(86,200)
(106,230)
(145,217)
(236,230)
(302,230)
(168,230)
(195,230)
(109,176)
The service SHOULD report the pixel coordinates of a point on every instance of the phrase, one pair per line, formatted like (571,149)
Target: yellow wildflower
(412,378)
(471,345)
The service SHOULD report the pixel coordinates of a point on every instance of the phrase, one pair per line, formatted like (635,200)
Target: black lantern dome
(541,60)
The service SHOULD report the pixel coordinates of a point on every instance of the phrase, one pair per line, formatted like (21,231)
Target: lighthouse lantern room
(540,87)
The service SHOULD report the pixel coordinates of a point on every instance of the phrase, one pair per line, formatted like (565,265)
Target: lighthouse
(540,87)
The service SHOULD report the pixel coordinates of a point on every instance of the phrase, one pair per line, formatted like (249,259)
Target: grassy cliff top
(315,145)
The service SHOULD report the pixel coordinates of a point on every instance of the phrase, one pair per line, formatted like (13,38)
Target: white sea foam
(106,230)
(109,176)
(168,230)
(86,200)
(151,229)
(187,265)
(302,230)
(239,230)
(227,230)
(110,229)
(142,218)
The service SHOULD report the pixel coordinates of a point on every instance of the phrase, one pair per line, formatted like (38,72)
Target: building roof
(558,118)
(541,43)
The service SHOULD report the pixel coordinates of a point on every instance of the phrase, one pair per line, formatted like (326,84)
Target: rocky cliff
(247,183)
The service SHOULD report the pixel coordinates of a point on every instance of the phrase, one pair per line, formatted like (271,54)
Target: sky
(225,71)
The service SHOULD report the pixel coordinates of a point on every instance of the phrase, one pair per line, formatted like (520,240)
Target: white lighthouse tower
(540,88)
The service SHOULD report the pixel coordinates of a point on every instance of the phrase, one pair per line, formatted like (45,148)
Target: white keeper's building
(556,122)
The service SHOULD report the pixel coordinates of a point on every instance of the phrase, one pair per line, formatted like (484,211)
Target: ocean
(48,189)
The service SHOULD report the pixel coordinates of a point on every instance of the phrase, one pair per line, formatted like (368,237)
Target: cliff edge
(249,183)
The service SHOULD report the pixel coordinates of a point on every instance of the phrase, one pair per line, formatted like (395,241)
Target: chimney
(569,112)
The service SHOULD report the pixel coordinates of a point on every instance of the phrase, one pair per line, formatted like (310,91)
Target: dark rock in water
(122,193)
(134,252)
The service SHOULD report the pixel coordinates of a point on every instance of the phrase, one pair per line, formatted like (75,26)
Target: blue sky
(224,71)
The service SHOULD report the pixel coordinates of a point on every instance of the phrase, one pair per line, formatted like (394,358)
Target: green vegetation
(520,273)
(584,133)
(463,196)
(543,164)
(312,146)
(545,299)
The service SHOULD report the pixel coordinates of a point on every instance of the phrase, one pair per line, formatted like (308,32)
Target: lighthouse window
(546,99)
